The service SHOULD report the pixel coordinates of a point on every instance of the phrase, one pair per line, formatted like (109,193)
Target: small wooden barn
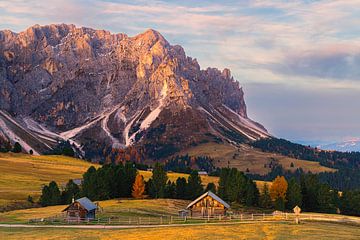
(208,204)
(81,209)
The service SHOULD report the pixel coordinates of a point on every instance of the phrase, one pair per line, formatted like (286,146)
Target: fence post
(171,219)
(139,220)
(109,220)
(161,222)
(219,218)
(208,218)
(252,216)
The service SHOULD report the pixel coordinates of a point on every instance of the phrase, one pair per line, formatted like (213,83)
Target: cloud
(288,45)
(338,62)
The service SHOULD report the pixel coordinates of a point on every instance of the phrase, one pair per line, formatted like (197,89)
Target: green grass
(313,230)
(23,175)
(246,157)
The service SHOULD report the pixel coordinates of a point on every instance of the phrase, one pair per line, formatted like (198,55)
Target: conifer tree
(158,183)
(211,187)
(138,187)
(180,189)
(265,199)
(278,192)
(293,194)
(71,191)
(194,186)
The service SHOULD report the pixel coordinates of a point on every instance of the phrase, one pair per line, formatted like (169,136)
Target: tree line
(333,159)
(114,181)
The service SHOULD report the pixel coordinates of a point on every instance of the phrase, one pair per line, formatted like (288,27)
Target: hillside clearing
(246,157)
(23,175)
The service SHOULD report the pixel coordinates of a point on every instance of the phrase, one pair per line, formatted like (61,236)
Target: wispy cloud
(300,43)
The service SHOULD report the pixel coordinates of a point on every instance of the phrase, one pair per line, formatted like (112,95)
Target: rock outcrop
(94,88)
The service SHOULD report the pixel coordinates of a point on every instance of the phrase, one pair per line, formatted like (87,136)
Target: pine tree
(223,182)
(17,148)
(159,179)
(170,189)
(89,184)
(293,194)
(265,199)
(251,194)
(50,195)
(194,186)
(278,192)
(138,187)
(211,187)
(130,175)
(71,191)
(180,189)
(55,194)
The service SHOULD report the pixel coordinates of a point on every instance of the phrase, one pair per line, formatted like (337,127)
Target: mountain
(98,89)
(351,145)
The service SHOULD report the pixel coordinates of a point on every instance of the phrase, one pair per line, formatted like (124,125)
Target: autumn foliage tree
(138,187)
(278,192)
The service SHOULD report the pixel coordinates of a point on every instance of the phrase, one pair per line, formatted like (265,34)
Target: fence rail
(163,220)
(167,220)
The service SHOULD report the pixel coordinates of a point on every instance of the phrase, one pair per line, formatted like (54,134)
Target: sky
(298,61)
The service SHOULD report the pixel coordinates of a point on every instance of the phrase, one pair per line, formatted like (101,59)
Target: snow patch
(8,132)
(150,118)
(249,124)
(73,132)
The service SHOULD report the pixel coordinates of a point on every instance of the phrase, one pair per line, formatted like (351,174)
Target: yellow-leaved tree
(138,187)
(278,192)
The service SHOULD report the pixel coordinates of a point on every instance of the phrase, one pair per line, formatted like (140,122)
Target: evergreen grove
(118,181)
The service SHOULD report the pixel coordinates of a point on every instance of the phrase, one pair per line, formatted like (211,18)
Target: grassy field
(313,230)
(246,157)
(110,208)
(23,175)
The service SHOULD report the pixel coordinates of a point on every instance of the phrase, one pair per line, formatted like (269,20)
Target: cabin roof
(211,194)
(85,203)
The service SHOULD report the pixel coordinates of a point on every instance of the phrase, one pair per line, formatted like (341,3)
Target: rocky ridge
(96,89)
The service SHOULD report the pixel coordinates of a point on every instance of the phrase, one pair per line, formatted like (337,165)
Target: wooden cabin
(206,205)
(81,209)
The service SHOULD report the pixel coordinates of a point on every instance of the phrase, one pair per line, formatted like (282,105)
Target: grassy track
(313,230)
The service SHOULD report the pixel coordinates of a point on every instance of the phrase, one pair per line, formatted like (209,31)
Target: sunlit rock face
(94,86)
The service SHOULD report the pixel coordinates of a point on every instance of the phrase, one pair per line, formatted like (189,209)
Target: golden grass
(115,207)
(246,157)
(23,175)
(173,176)
(313,230)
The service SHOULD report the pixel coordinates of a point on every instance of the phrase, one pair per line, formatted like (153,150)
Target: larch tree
(138,187)
(278,192)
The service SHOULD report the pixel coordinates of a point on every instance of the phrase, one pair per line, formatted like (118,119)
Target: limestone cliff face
(93,86)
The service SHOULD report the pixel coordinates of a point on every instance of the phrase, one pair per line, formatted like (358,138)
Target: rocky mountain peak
(77,83)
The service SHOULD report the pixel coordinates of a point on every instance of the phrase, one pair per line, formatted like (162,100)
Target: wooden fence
(165,220)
